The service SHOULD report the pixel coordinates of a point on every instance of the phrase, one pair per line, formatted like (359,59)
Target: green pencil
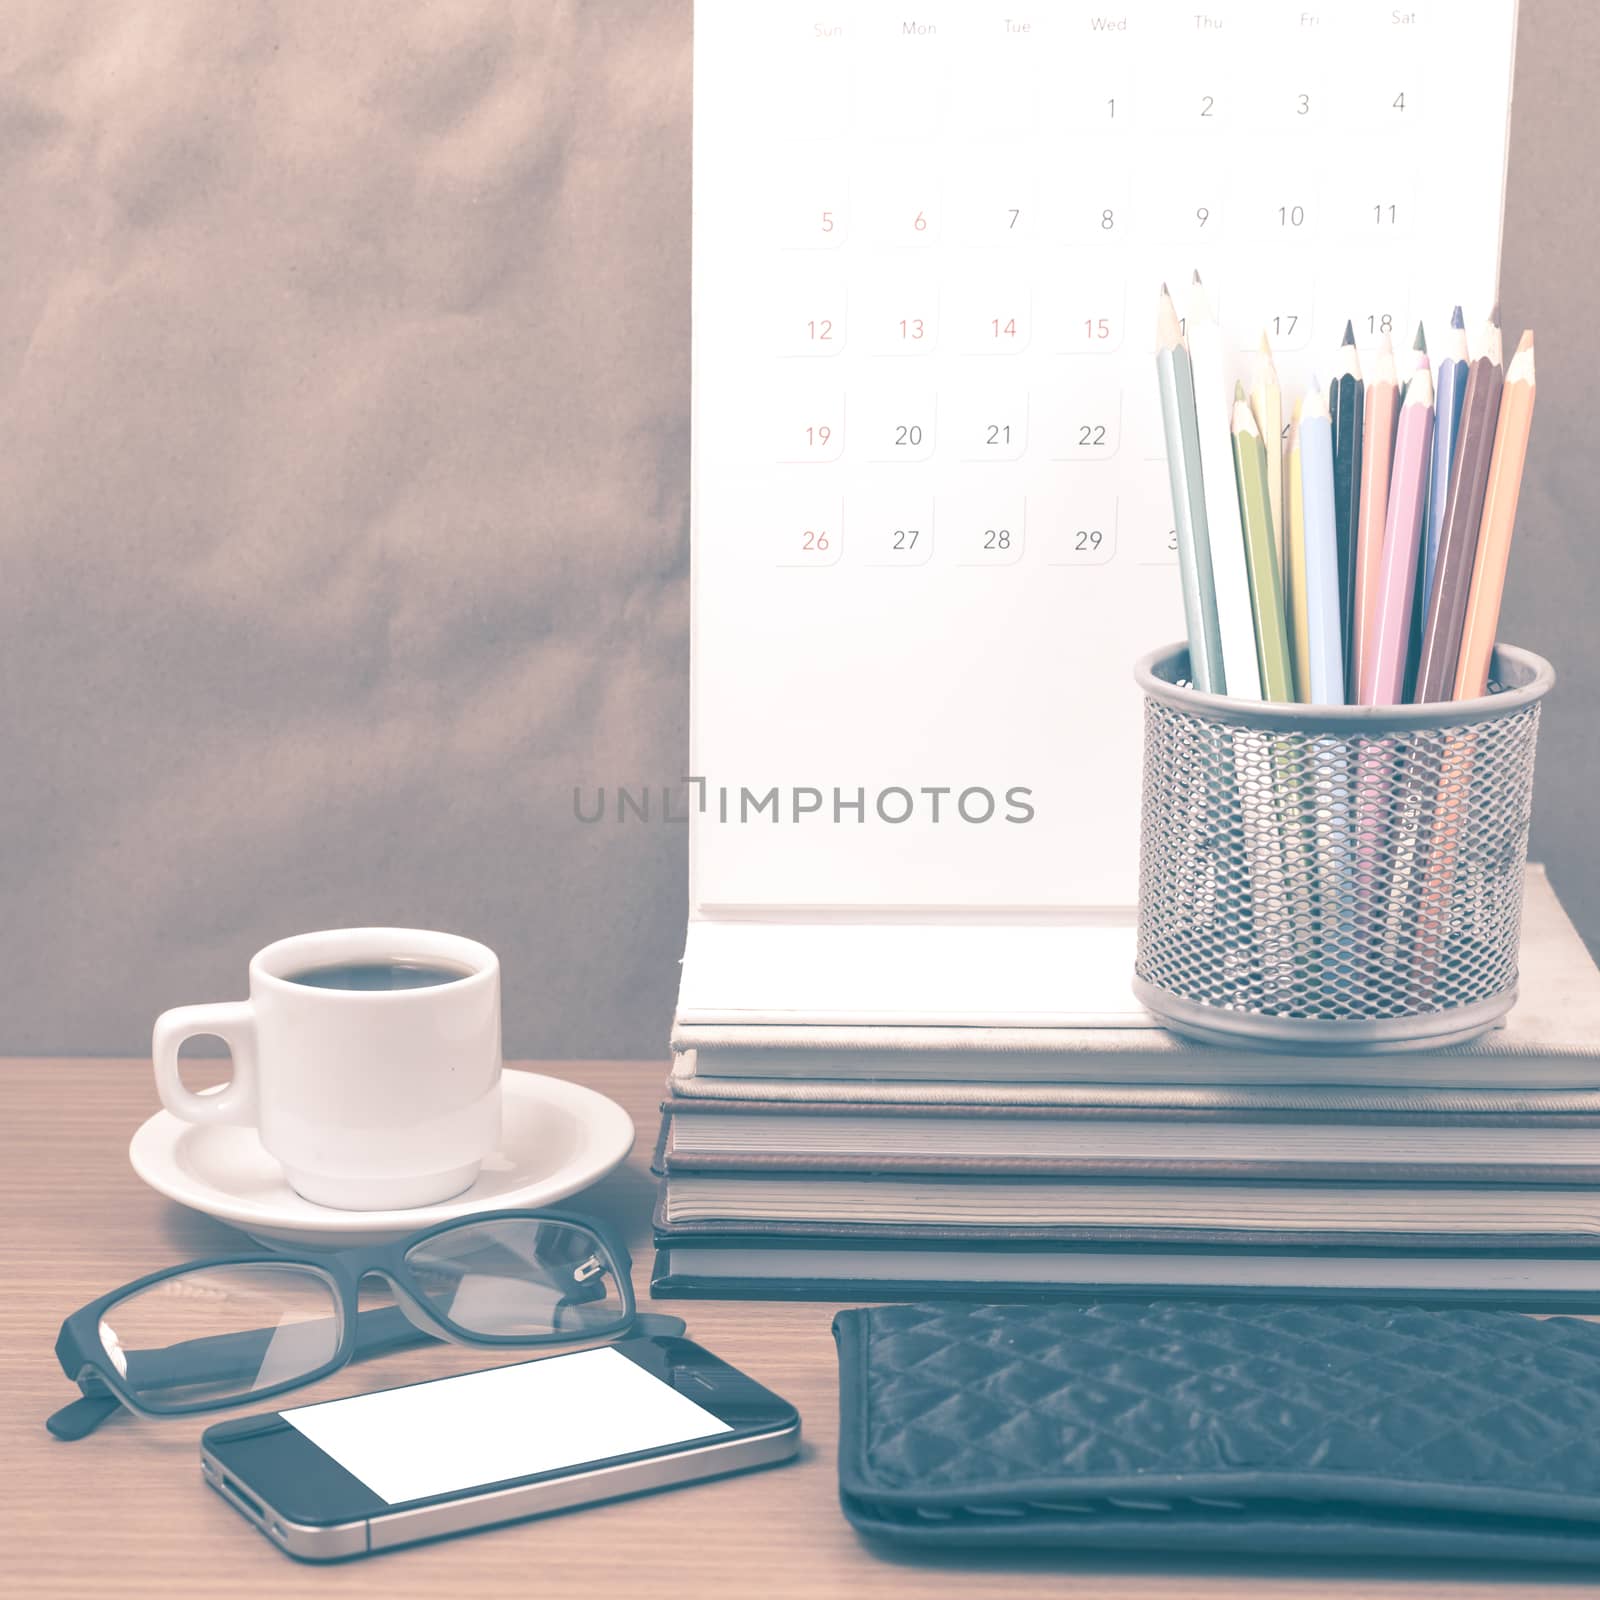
(1261,551)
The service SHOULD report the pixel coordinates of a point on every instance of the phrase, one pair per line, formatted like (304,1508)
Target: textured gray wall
(343,491)
(1547,281)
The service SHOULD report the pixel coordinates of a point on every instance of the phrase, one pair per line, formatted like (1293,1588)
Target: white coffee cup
(371,1099)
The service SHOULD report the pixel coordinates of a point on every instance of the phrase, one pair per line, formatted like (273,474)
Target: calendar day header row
(927,26)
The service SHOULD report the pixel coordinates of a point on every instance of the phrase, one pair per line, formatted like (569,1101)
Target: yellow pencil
(1295,612)
(1266,405)
(1261,552)
(1497,525)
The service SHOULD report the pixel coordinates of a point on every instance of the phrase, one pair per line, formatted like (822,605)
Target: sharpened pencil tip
(1349,333)
(1265,347)
(1456,319)
(1489,346)
(1421,340)
(1494,314)
(1164,289)
(1238,391)
(1196,278)
(1169,328)
(1520,369)
(1419,388)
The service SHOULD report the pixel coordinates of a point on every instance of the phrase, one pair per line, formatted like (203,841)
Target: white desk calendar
(931,524)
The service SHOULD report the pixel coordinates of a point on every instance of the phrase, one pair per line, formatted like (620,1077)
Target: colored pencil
(1401,599)
(1437,481)
(1378,793)
(1295,619)
(1297,805)
(1346,402)
(1261,551)
(1265,769)
(1324,628)
(1377,448)
(1266,402)
(1330,755)
(1497,524)
(1176,380)
(1235,623)
(1458,534)
(1450,390)
(1389,637)
(1378,423)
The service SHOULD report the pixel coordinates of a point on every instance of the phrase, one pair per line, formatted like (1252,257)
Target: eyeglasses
(236,1329)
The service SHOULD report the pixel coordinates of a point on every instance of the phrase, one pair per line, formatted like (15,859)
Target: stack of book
(832,1163)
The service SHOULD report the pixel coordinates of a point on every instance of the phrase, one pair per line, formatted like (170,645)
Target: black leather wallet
(1262,1427)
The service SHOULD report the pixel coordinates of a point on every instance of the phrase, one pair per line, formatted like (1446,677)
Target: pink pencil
(1384,664)
(1377,445)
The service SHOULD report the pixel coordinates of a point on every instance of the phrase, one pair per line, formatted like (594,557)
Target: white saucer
(557,1138)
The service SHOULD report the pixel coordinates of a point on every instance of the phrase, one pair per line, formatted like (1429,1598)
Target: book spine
(1522,1175)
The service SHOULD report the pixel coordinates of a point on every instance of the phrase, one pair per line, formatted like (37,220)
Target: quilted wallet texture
(1262,1427)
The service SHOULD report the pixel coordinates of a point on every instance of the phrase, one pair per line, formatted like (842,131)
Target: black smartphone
(348,1477)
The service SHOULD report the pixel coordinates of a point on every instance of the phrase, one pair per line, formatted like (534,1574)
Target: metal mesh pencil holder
(1339,878)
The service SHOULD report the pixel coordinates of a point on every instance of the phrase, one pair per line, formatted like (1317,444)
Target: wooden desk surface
(124,1512)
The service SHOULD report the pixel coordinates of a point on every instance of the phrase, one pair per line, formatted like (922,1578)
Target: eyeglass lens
(216,1333)
(519,1277)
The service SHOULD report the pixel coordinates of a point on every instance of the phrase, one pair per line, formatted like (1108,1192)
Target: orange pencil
(1497,524)
(1377,451)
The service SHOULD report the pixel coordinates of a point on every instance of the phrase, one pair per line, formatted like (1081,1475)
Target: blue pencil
(1451,386)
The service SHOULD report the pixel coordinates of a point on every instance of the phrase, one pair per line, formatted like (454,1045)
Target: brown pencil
(1463,511)
(1499,518)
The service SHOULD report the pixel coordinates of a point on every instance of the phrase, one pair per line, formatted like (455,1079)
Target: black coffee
(380,975)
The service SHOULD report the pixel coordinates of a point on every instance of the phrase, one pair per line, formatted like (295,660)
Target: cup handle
(234,1023)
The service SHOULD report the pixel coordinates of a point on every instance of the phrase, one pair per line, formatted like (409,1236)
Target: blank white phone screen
(508,1422)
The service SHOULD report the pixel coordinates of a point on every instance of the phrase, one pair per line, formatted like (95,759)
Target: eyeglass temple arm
(79,1418)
